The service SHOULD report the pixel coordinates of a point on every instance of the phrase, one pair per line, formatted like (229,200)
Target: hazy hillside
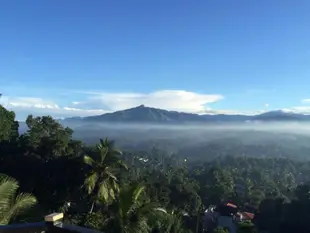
(143,114)
(272,134)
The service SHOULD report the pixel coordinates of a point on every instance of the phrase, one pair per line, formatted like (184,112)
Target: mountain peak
(144,114)
(279,113)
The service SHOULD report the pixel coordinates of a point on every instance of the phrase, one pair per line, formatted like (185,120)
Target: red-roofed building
(231,205)
(226,215)
(247,215)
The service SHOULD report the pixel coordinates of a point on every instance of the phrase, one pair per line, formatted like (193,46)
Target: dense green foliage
(12,204)
(143,191)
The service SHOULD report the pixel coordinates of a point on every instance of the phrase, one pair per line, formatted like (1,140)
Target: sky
(78,58)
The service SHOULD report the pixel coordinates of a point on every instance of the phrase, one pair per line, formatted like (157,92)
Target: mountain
(143,114)
(281,116)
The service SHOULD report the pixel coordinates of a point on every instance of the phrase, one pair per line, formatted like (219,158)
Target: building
(226,216)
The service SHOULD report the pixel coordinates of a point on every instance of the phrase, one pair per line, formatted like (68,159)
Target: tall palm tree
(12,204)
(102,183)
(131,211)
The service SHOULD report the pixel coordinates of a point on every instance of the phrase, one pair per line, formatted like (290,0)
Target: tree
(11,203)
(8,125)
(220,230)
(216,185)
(131,211)
(170,223)
(47,138)
(246,227)
(101,182)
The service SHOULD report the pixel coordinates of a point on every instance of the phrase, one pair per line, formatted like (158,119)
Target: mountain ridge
(143,114)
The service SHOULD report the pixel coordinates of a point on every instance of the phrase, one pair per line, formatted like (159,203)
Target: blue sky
(75,57)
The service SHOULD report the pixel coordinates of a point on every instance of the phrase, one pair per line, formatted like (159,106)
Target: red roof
(248,215)
(231,205)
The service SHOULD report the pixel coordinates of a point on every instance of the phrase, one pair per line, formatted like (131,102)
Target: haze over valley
(271,134)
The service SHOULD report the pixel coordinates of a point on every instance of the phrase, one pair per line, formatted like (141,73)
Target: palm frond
(117,151)
(109,174)
(150,208)
(101,142)
(112,194)
(103,149)
(139,189)
(125,201)
(89,161)
(11,206)
(8,188)
(22,203)
(140,226)
(104,191)
(115,186)
(122,164)
(90,182)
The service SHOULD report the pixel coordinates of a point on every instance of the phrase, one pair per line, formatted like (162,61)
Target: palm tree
(131,211)
(170,223)
(102,183)
(174,223)
(11,203)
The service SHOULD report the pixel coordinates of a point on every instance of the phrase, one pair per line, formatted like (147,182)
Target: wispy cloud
(298,109)
(87,103)
(95,103)
(177,100)
(231,112)
(38,106)
(302,109)
(30,102)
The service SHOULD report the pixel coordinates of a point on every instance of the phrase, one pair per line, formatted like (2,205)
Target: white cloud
(303,109)
(176,100)
(231,112)
(90,103)
(100,103)
(30,102)
(85,112)
(298,109)
(38,106)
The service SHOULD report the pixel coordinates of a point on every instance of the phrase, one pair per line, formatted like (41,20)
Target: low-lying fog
(303,128)
(277,139)
(212,140)
(132,132)
(198,133)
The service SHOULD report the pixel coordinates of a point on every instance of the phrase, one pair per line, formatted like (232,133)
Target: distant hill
(281,116)
(143,114)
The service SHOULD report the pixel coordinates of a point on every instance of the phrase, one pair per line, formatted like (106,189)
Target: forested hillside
(115,191)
